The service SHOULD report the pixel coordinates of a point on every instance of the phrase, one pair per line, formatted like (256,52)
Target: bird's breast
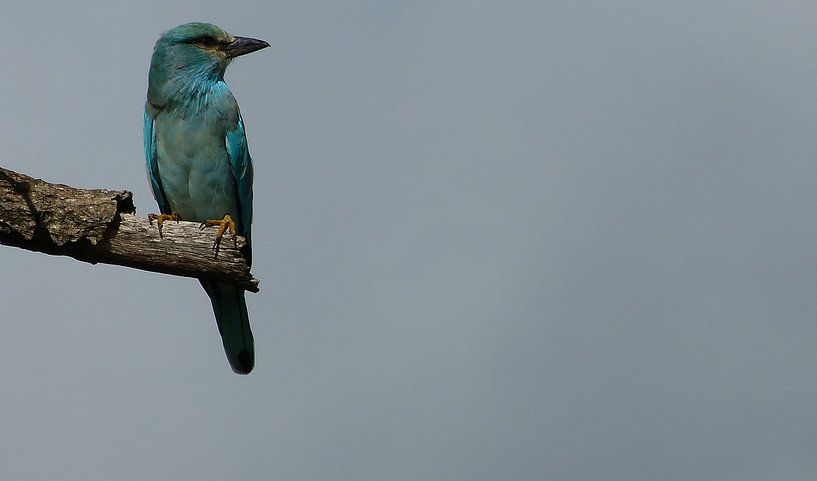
(194,166)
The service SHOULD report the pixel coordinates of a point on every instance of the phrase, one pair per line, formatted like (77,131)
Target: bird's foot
(224,225)
(160,218)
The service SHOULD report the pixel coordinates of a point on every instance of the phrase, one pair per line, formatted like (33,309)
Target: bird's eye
(205,41)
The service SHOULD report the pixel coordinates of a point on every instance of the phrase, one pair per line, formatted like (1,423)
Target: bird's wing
(241,166)
(153,165)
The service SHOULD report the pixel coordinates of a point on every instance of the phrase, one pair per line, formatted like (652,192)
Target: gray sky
(533,240)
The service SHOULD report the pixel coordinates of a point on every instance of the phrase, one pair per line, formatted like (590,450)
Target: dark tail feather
(233,324)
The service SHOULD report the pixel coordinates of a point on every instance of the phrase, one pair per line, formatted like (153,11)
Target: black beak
(244,45)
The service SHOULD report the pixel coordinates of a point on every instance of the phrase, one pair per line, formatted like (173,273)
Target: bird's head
(202,46)
(196,52)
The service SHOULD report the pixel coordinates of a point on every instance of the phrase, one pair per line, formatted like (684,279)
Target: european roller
(197,158)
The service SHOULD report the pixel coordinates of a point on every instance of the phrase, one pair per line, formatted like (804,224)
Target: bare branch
(101,226)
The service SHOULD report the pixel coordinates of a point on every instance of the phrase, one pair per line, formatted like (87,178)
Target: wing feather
(241,166)
(153,165)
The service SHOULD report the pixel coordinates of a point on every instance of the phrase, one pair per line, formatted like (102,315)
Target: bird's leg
(224,225)
(160,218)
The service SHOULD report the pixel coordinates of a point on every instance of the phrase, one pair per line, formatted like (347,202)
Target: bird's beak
(243,45)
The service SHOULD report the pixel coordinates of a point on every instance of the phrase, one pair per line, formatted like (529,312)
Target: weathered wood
(95,225)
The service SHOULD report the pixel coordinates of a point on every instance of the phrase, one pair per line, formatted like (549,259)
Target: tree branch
(94,226)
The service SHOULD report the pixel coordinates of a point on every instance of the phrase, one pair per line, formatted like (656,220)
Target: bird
(198,164)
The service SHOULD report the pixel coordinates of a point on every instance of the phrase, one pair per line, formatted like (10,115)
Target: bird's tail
(233,324)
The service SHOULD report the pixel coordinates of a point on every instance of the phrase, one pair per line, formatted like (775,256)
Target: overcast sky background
(567,240)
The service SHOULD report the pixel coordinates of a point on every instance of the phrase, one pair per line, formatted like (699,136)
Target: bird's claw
(160,218)
(227,224)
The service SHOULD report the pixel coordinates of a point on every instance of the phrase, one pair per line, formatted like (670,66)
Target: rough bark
(95,225)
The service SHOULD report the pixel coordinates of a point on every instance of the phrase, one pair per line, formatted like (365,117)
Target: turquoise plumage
(196,151)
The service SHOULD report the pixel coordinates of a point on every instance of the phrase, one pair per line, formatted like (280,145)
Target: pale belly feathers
(194,169)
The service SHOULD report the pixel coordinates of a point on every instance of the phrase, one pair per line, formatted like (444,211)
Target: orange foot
(160,218)
(224,225)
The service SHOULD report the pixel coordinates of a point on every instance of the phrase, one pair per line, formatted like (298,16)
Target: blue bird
(197,158)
